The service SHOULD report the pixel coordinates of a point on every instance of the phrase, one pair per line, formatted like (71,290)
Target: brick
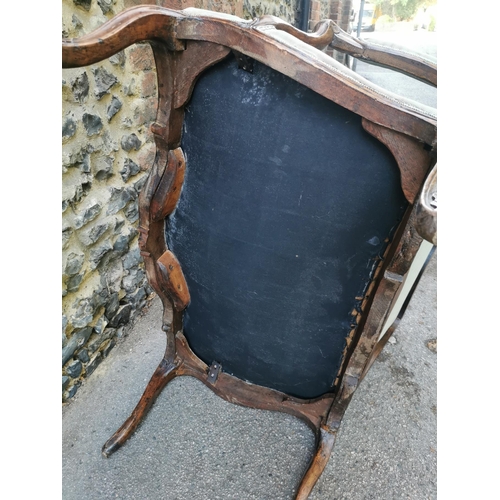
(315,16)
(145,111)
(146,157)
(141,58)
(148,84)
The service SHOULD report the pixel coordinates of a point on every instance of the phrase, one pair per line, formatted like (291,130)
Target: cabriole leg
(324,448)
(165,372)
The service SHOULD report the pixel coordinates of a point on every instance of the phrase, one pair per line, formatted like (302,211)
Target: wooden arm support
(426,209)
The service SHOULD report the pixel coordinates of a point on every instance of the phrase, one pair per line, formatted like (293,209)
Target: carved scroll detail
(171,280)
(413,160)
(327,32)
(389,56)
(320,38)
(145,22)
(174,30)
(169,188)
(184,45)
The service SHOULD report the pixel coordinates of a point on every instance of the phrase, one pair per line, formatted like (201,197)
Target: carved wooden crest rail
(199,58)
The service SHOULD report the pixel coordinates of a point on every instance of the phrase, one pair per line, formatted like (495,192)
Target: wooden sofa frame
(185,44)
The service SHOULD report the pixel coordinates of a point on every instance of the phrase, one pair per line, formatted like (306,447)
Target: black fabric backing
(287,203)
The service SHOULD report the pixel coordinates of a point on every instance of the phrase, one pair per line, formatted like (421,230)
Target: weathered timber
(264,43)
(390,56)
(172,281)
(413,160)
(185,45)
(169,187)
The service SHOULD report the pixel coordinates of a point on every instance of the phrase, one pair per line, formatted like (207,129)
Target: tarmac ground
(194,445)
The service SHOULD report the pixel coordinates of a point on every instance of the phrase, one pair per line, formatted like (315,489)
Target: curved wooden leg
(165,372)
(327,438)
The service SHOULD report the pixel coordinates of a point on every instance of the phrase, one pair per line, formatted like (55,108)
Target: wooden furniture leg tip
(165,372)
(109,448)
(323,451)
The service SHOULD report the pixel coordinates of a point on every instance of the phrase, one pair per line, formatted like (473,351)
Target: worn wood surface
(269,46)
(324,447)
(398,58)
(165,372)
(426,218)
(328,78)
(146,22)
(186,43)
(172,280)
(320,38)
(327,32)
(413,159)
(169,187)
(237,391)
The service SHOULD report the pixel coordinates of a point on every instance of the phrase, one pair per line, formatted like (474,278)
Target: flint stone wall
(107,149)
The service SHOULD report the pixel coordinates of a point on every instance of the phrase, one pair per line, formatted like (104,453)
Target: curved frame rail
(186,43)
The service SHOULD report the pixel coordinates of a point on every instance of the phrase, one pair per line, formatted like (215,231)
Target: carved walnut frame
(185,43)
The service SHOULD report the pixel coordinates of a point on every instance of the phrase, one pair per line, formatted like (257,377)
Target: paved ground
(195,446)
